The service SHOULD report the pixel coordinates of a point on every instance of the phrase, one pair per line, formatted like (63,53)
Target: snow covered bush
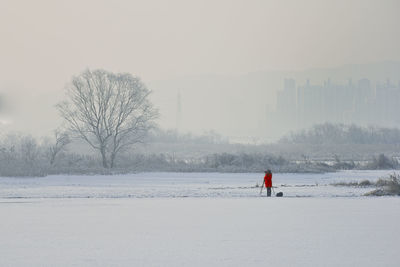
(387,187)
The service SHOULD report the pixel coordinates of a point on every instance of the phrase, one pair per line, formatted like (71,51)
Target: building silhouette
(359,103)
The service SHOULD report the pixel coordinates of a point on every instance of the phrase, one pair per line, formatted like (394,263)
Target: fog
(212,65)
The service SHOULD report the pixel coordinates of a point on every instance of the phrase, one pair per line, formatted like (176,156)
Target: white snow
(200,232)
(150,185)
(144,220)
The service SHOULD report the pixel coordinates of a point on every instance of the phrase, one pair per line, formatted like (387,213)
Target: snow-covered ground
(151,185)
(170,219)
(200,232)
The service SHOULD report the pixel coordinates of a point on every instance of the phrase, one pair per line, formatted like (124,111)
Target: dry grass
(363,183)
(387,187)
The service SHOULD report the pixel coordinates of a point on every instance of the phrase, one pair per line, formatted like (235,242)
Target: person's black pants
(268,191)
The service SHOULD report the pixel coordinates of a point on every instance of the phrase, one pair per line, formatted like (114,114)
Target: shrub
(388,187)
(381,162)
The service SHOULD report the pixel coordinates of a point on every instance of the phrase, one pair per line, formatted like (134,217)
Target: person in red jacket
(268,182)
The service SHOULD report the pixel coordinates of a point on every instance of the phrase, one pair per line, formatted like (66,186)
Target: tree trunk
(52,159)
(104,157)
(112,159)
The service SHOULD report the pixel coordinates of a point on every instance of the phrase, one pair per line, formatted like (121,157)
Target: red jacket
(268,180)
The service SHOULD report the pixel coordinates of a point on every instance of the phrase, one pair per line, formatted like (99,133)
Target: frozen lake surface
(153,185)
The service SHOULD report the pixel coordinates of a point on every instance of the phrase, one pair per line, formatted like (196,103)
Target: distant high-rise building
(178,111)
(358,103)
(286,105)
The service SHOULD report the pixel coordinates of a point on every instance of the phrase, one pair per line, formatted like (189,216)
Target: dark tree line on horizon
(26,156)
(329,133)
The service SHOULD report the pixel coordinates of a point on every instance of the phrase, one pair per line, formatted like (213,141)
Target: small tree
(29,150)
(109,111)
(61,141)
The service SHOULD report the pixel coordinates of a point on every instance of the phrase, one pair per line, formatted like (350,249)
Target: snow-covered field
(167,219)
(154,185)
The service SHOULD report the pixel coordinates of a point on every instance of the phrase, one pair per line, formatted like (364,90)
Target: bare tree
(109,111)
(29,150)
(61,141)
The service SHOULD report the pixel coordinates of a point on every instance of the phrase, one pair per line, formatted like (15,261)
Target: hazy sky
(44,43)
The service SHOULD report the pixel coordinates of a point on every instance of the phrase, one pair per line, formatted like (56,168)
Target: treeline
(223,162)
(159,135)
(26,156)
(22,155)
(329,133)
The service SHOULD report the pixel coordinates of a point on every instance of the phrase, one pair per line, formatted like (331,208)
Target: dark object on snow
(279,194)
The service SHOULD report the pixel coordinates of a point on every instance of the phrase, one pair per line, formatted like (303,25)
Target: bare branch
(109,111)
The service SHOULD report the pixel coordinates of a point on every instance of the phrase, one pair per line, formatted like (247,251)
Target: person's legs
(268,191)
